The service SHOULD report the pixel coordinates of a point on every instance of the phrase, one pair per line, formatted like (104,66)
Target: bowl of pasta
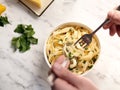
(61,41)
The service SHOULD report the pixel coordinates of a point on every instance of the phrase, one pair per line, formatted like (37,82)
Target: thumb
(114,16)
(65,74)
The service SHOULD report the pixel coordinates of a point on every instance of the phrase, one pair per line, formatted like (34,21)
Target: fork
(86,39)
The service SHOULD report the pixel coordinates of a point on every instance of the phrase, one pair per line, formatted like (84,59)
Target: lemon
(2,8)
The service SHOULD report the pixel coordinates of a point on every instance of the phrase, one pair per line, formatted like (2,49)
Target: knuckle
(114,15)
(111,14)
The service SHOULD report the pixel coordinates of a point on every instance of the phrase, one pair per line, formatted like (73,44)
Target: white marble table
(28,71)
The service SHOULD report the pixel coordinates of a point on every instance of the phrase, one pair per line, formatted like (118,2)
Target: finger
(107,25)
(87,84)
(66,74)
(114,16)
(112,30)
(67,65)
(118,30)
(60,84)
(61,60)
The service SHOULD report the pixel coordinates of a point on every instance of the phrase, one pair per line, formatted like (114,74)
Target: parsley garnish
(70,55)
(3,21)
(24,41)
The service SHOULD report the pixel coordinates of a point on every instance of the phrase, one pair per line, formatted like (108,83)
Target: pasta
(61,42)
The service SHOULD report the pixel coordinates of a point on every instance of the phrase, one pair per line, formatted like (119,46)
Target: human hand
(114,24)
(66,80)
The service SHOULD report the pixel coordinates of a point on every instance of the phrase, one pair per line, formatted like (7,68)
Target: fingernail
(64,63)
(57,66)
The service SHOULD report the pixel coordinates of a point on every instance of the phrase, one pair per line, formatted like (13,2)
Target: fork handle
(106,21)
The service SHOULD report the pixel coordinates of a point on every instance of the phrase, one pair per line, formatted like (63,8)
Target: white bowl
(71,24)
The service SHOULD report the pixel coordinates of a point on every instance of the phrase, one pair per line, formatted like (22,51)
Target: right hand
(114,24)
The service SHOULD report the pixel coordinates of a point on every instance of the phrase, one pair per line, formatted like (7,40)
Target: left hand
(66,80)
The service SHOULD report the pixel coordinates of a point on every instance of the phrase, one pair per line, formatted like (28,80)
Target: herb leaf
(33,40)
(70,55)
(3,21)
(29,33)
(24,41)
(25,45)
(15,43)
(20,29)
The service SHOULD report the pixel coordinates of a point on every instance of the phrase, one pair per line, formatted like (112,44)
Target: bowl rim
(72,24)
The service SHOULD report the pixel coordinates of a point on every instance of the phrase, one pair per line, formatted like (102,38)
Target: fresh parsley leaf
(25,45)
(25,29)
(3,21)
(20,29)
(29,27)
(29,33)
(33,40)
(24,41)
(15,43)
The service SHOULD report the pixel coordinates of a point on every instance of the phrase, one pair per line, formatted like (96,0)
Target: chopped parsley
(90,67)
(86,48)
(70,55)
(80,44)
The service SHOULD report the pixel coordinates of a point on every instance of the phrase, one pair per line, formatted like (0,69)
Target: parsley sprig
(3,20)
(24,41)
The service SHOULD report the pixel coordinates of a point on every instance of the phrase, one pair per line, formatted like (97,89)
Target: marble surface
(28,71)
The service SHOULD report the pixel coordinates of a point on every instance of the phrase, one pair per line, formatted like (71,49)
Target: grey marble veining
(28,71)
